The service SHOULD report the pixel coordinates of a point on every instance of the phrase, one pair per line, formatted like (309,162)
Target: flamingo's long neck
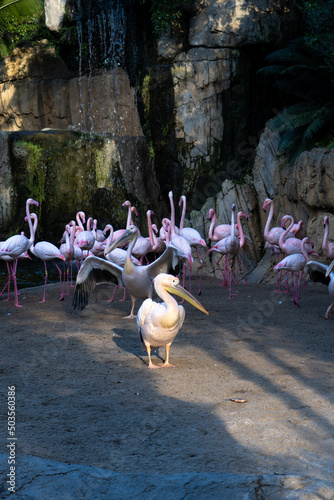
(232,226)
(241,232)
(72,238)
(212,224)
(149,225)
(281,240)
(81,219)
(111,234)
(172,215)
(184,208)
(303,249)
(32,231)
(269,219)
(128,222)
(325,240)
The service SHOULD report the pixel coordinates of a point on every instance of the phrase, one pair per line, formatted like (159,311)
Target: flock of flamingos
(121,258)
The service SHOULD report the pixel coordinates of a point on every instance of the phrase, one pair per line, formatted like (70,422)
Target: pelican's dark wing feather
(317,272)
(94,270)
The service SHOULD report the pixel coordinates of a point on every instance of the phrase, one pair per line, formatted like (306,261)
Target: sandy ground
(84,394)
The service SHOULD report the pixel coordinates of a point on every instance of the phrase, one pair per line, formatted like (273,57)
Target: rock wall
(304,190)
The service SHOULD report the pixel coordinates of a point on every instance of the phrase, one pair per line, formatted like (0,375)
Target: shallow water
(31,273)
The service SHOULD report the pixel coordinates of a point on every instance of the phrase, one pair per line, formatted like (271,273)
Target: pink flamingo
(67,249)
(18,244)
(181,245)
(295,263)
(158,245)
(272,235)
(86,239)
(45,251)
(289,246)
(219,232)
(193,237)
(230,246)
(9,263)
(142,246)
(327,247)
(298,230)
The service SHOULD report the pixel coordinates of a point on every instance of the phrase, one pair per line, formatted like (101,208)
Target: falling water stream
(102,37)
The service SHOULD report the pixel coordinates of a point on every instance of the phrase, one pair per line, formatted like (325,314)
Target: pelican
(94,270)
(324,274)
(138,279)
(159,323)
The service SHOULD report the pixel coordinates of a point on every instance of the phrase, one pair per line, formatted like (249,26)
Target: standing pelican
(323,274)
(159,323)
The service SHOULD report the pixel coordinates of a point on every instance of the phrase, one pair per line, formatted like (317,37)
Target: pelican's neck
(129,265)
(183,201)
(212,224)
(269,219)
(170,316)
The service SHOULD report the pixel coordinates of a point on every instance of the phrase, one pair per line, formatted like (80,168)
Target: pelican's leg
(151,366)
(131,315)
(329,311)
(167,363)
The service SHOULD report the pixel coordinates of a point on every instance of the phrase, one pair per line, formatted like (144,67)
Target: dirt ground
(84,394)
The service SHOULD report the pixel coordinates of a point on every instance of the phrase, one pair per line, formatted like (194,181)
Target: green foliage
(20,21)
(36,168)
(165,13)
(304,81)
(318,16)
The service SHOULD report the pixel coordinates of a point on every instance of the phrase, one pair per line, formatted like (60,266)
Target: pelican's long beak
(184,294)
(126,236)
(330,269)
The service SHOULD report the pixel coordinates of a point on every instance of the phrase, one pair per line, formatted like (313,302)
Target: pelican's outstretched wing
(317,272)
(164,264)
(94,270)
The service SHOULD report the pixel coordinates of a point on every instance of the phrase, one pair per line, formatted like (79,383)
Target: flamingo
(9,263)
(136,279)
(45,251)
(183,248)
(18,244)
(295,263)
(219,232)
(272,235)
(86,239)
(298,230)
(67,248)
(157,244)
(292,245)
(327,247)
(159,323)
(193,237)
(230,246)
(324,274)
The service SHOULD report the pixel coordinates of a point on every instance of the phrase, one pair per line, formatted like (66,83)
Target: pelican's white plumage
(159,323)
